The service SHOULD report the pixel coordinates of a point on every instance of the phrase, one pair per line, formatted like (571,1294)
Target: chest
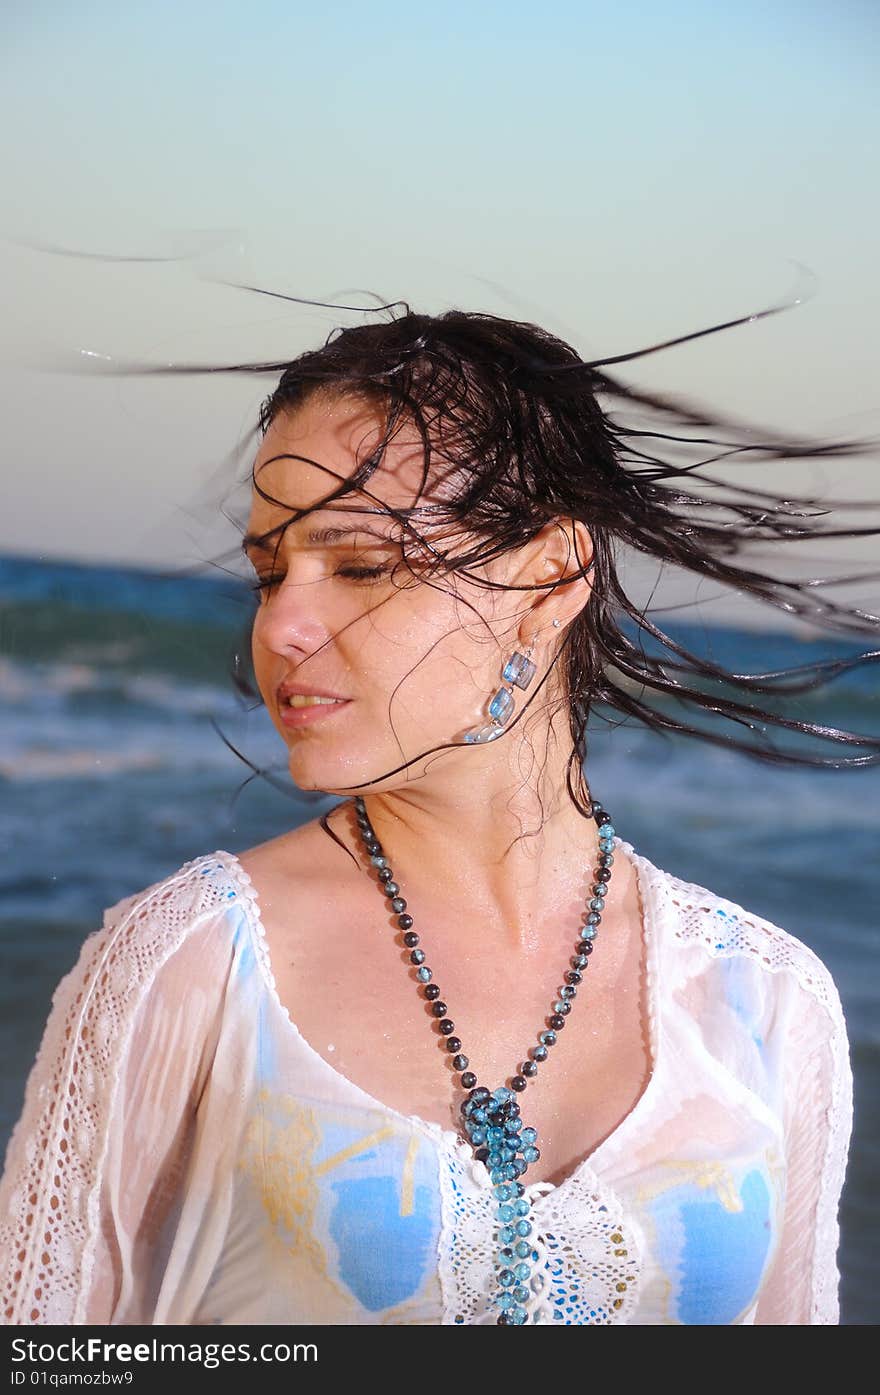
(345,979)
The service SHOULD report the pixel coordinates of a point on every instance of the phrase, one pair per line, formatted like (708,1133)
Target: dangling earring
(519,670)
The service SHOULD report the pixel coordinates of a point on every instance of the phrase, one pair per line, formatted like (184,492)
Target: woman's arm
(94,1163)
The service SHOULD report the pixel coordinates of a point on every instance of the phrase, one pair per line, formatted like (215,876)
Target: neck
(490,845)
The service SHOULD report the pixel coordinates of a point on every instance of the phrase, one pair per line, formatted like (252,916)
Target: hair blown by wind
(512,414)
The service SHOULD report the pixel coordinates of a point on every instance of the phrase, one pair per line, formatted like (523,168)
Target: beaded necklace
(492,1119)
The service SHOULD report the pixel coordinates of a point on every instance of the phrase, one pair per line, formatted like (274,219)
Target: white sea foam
(20,681)
(60,765)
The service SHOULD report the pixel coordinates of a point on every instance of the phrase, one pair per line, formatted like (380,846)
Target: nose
(286,622)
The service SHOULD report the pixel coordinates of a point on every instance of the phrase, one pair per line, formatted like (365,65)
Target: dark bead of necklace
(492,1118)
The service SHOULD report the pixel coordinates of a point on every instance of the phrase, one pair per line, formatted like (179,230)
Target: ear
(559,560)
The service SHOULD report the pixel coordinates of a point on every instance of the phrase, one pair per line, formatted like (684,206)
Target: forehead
(306,454)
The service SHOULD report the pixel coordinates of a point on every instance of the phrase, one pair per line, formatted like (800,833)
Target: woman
(470,1058)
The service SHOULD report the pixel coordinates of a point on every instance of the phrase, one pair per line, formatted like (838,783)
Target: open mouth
(310,712)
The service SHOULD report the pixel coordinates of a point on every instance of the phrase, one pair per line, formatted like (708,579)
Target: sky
(619,174)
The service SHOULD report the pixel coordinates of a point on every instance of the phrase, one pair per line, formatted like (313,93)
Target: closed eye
(265,583)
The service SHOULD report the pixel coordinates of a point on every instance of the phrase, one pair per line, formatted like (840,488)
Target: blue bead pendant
(493,1124)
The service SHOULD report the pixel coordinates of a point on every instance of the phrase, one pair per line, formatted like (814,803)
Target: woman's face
(415,663)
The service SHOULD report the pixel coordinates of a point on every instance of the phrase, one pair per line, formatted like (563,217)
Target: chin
(322,772)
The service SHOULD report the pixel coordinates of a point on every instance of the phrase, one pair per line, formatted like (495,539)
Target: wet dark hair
(515,410)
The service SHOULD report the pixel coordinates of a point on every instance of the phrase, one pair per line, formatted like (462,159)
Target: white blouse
(184,1156)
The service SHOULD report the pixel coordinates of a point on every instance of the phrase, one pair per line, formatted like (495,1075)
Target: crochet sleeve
(802,1285)
(93,1165)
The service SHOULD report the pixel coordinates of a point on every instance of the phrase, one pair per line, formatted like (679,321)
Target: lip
(288,690)
(304,716)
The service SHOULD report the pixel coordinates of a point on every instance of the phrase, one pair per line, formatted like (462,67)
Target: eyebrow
(316,535)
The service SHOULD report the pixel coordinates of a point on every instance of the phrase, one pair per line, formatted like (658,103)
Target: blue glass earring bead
(501,706)
(519,670)
(482,734)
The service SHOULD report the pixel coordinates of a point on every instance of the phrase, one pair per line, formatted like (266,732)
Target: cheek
(268,666)
(426,672)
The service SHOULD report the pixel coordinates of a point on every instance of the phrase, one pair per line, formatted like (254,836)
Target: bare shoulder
(306,856)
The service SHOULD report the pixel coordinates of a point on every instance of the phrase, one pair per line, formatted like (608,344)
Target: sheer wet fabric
(184,1156)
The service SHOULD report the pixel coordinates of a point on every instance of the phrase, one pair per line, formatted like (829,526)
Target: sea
(127,748)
